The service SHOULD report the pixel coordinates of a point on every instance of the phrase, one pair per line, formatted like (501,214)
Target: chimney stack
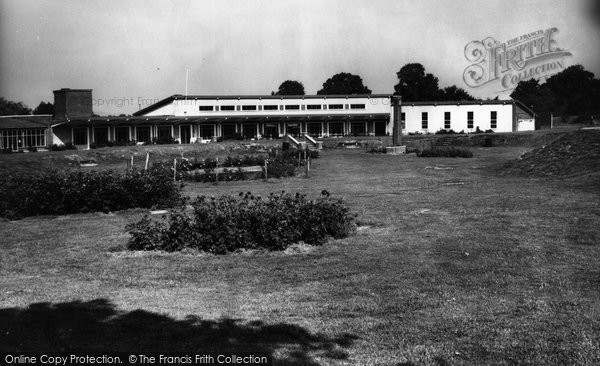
(72,103)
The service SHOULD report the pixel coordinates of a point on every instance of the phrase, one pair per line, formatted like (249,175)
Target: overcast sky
(132,51)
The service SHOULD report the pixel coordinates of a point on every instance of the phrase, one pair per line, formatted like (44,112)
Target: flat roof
(26,121)
(168,120)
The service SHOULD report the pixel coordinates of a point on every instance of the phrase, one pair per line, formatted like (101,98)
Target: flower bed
(228,223)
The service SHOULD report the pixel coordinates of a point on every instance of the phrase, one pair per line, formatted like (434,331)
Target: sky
(133,53)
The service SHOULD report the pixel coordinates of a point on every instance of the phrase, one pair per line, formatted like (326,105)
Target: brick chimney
(72,103)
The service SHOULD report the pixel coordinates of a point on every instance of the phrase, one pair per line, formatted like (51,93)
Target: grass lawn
(451,264)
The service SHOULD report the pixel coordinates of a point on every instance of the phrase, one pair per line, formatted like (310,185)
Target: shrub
(377,150)
(235,136)
(446,152)
(227,223)
(162,140)
(232,161)
(445,132)
(62,192)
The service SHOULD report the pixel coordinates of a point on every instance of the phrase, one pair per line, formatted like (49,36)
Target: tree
(8,108)
(573,91)
(538,97)
(453,92)
(290,87)
(344,83)
(576,90)
(415,85)
(44,108)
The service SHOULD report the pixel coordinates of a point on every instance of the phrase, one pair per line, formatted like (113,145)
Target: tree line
(571,92)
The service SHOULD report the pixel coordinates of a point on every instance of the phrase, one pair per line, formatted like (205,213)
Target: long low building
(189,119)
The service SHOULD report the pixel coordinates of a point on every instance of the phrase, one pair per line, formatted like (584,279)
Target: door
(185,134)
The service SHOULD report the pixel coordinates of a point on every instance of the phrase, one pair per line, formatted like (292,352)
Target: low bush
(228,223)
(446,152)
(445,132)
(55,192)
(377,150)
(235,136)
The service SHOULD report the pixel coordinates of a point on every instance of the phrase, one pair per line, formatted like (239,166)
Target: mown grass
(451,265)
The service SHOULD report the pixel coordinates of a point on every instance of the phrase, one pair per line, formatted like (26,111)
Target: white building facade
(189,119)
(467,116)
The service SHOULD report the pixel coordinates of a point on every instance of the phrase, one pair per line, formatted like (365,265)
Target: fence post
(147,160)
(305,164)
(266,175)
(175,170)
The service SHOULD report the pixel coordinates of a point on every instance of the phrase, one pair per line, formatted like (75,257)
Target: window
(101,135)
(469,119)
(336,106)
(493,119)
(248,107)
(380,128)
(336,128)
(270,107)
(227,108)
(403,120)
(293,129)
(424,120)
(206,132)
(313,129)
(271,130)
(228,131)
(143,134)
(205,108)
(447,120)
(121,134)
(15,139)
(293,106)
(80,136)
(164,132)
(357,106)
(313,106)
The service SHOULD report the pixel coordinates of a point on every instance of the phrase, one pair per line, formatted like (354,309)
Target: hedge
(55,192)
(446,152)
(228,223)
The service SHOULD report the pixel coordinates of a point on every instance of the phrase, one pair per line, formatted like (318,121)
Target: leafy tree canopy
(44,108)
(455,93)
(573,91)
(290,87)
(414,84)
(344,83)
(8,108)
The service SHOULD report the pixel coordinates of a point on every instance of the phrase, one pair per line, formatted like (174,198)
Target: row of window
(275,107)
(448,119)
(22,138)
(207,131)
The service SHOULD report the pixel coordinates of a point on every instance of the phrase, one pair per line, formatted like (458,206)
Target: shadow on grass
(98,325)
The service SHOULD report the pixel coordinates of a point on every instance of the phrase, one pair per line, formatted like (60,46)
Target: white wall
(166,110)
(458,117)
(190,107)
(526,125)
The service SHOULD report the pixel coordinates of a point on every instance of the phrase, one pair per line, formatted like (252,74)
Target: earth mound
(574,153)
